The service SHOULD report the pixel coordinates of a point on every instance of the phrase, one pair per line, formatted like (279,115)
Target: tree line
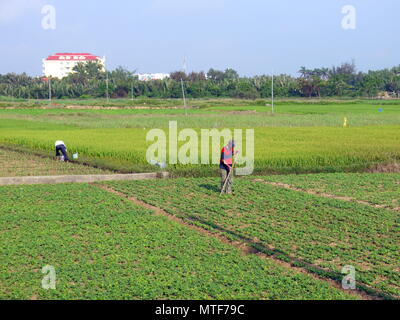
(90,81)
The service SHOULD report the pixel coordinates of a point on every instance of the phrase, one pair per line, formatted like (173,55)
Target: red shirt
(227,155)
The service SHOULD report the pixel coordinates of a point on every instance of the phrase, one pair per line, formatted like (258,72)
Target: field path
(326,195)
(245,247)
(78,178)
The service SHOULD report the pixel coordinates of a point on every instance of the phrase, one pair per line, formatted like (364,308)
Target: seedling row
(326,233)
(104,247)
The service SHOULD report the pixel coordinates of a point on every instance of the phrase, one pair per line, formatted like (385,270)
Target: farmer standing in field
(226,165)
(61,151)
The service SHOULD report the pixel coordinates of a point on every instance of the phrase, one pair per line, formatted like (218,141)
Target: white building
(152,76)
(60,65)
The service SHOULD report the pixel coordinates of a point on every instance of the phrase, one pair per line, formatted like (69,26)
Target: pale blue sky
(251,36)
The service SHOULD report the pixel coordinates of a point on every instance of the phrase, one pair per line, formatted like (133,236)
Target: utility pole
(49,90)
(184,69)
(184,97)
(105,69)
(272,93)
(132,89)
(108,98)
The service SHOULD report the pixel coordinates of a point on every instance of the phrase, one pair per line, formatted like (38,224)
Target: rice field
(245,116)
(299,137)
(304,149)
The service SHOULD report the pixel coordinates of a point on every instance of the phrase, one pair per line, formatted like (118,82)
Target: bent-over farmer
(61,150)
(225,166)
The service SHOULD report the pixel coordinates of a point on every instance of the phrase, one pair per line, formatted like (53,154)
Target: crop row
(376,188)
(297,227)
(104,247)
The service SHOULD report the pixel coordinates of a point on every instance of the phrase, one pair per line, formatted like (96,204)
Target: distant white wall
(60,69)
(152,76)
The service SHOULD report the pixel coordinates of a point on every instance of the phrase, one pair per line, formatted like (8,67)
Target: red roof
(73,57)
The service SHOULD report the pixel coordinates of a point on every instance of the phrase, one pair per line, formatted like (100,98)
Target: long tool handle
(227,178)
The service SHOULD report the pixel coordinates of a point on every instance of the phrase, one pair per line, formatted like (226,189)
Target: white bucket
(75,156)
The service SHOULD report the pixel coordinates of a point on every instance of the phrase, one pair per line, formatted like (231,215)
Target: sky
(253,37)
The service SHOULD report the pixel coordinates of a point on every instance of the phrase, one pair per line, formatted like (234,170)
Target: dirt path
(326,195)
(79,178)
(244,247)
